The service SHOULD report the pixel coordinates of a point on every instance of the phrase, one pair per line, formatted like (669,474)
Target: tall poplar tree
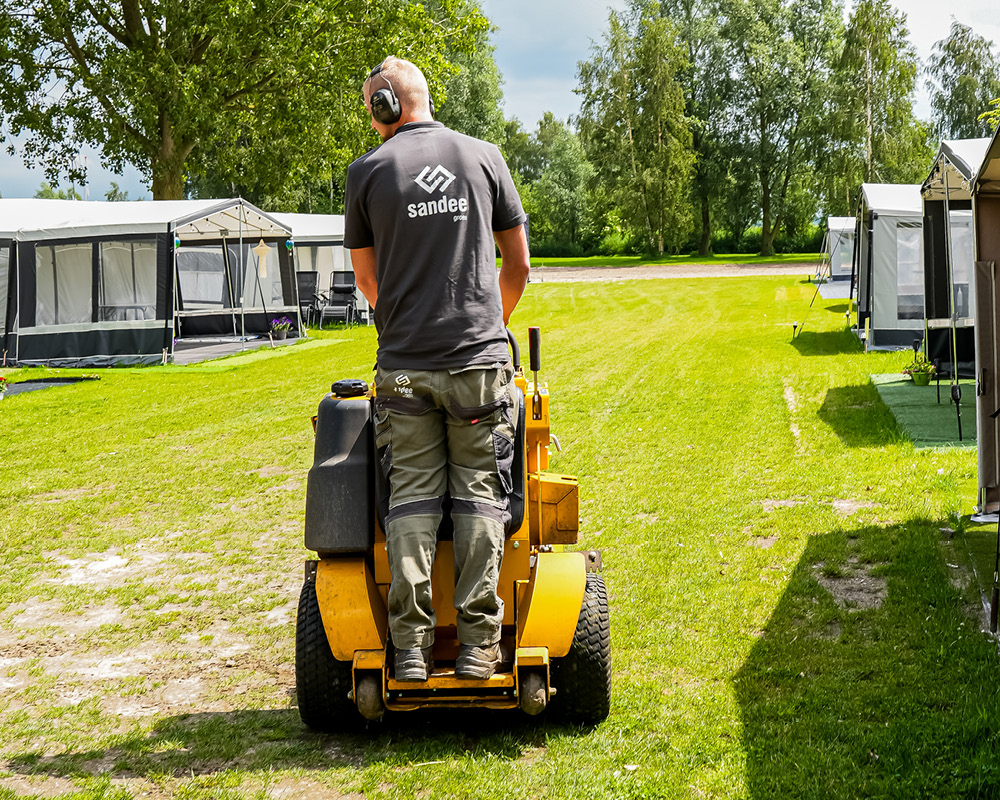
(963,77)
(634,129)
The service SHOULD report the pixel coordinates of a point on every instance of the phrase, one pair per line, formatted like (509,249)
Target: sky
(538,45)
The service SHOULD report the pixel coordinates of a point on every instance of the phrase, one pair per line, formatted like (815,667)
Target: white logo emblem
(403,380)
(431,180)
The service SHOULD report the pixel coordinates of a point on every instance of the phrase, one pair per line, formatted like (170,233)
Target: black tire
(322,683)
(582,678)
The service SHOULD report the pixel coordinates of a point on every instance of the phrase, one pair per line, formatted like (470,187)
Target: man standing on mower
(422,213)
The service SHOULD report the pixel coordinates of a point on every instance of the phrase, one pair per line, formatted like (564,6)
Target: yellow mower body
(555,608)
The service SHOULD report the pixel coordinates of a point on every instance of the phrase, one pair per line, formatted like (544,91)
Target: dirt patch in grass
(853,586)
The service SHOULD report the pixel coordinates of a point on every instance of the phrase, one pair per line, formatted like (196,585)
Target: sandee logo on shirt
(430,181)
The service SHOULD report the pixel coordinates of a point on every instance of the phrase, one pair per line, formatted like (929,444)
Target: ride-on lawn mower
(555,607)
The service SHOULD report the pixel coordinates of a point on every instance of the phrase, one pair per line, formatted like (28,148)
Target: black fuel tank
(340,493)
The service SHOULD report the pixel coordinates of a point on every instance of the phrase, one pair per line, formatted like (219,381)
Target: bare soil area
(607,274)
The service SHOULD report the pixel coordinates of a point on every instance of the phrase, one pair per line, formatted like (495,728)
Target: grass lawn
(641,261)
(788,618)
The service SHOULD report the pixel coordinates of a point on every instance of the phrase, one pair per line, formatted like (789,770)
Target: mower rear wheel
(322,683)
(582,678)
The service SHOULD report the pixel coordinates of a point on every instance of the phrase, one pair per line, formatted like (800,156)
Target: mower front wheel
(322,683)
(582,678)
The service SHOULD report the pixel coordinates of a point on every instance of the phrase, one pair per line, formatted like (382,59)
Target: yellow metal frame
(549,602)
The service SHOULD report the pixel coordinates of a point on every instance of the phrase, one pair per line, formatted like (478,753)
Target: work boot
(478,662)
(413,664)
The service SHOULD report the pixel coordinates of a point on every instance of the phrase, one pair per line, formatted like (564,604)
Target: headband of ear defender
(385,105)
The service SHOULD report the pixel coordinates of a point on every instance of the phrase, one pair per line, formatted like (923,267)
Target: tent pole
(243,289)
(956,392)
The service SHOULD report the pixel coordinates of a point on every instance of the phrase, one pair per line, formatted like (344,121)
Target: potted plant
(3,386)
(280,326)
(920,370)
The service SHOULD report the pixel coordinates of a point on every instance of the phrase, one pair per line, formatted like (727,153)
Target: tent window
(261,276)
(127,281)
(4,270)
(204,280)
(315,259)
(64,284)
(909,271)
(961,262)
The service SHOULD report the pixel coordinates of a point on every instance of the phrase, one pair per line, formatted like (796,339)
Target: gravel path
(605,274)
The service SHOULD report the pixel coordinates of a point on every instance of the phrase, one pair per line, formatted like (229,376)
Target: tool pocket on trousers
(503,449)
(383,442)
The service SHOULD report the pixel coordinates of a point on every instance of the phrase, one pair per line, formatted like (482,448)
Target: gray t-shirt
(428,201)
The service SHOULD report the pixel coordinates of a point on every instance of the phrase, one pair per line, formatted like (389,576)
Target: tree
(963,79)
(256,90)
(563,214)
(634,130)
(47,192)
(473,98)
(115,194)
(707,89)
(782,53)
(875,82)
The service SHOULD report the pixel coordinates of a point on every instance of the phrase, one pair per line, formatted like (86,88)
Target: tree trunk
(705,246)
(168,168)
(766,233)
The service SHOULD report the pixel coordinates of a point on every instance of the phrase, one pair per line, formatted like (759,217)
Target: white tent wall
(840,246)
(891,291)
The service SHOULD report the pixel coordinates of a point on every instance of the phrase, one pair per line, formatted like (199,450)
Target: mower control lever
(535,363)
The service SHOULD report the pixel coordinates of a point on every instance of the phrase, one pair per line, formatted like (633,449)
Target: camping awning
(39,220)
(305,228)
(988,175)
(895,199)
(840,223)
(956,164)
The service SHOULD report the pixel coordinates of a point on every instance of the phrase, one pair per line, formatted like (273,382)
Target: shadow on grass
(872,677)
(859,417)
(212,742)
(826,343)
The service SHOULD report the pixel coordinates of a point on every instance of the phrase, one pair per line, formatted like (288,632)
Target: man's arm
(363,261)
(514,266)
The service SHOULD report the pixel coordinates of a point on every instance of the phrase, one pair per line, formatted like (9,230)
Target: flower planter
(921,378)
(280,334)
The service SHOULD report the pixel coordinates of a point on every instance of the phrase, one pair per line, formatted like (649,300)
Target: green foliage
(46,192)
(875,137)
(256,94)
(964,76)
(634,129)
(115,194)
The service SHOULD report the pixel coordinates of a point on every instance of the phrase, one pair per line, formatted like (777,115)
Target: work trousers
(441,432)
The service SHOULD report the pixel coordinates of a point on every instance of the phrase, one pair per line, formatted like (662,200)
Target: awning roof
(314,227)
(897,199)
(840,223)
(988,176)
(958,160)
(37,220)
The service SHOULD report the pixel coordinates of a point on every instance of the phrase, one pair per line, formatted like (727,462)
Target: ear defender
(385,105)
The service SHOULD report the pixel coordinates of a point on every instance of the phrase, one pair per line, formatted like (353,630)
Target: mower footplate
(443,690)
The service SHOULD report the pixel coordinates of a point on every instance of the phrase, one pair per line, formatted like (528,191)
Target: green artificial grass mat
(927,422)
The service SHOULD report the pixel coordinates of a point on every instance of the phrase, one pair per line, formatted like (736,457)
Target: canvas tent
(986,217)
(100,283)
(888,265)
(839,251)
(949,307)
